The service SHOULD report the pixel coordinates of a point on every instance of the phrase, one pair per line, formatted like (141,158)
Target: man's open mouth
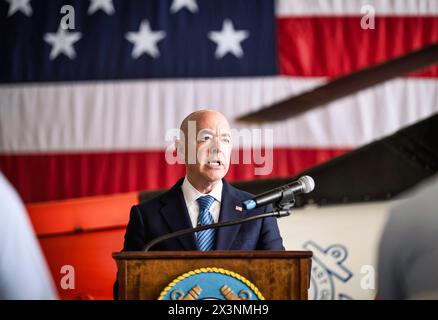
(214,163)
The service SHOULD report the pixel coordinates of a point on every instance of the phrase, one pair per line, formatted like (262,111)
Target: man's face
(213,148)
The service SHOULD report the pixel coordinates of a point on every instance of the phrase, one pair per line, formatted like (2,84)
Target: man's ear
(180,150)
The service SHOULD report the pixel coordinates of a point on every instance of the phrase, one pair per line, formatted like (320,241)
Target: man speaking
(202,197)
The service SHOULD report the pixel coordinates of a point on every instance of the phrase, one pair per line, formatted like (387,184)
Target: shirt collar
(191,193)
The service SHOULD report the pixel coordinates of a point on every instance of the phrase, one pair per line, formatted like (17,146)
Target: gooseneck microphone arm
(276,213)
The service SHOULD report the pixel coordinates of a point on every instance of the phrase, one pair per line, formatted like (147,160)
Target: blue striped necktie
(205,238)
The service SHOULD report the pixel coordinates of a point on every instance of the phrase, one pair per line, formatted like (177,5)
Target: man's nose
(216,145)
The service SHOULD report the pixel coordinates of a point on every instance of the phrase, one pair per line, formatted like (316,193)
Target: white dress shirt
(191,194)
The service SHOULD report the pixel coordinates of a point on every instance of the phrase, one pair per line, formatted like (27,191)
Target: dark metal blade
(346,85)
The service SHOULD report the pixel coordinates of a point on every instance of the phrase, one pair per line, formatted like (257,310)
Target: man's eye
(206,138)
(226,140)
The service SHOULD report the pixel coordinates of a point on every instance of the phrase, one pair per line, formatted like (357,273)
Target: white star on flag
(190,5)
(62,42)
(19,5)
(105,5)
(228,40)
(145,40)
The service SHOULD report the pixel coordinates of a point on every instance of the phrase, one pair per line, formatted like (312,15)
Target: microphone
(282,194)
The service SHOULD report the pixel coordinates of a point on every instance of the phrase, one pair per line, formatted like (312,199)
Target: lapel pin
(238,208)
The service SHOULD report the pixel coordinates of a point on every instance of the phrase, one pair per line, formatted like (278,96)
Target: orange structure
(83,233)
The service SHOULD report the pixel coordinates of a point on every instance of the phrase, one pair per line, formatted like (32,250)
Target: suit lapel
(176,215)
(225,236)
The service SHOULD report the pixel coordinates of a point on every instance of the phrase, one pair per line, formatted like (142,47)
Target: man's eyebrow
(212,132)
(206,130)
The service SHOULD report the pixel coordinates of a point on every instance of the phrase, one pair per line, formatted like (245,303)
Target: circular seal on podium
(211,284)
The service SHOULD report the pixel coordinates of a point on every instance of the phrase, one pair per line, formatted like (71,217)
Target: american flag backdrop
(85,111)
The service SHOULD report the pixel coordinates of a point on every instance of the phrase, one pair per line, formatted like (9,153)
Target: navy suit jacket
(168,213)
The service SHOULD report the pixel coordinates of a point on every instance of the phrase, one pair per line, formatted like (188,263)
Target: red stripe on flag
(59,176)
(335,46)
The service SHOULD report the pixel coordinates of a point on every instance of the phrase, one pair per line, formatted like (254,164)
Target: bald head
(202,116)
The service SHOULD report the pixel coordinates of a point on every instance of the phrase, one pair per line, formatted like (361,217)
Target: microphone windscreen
(308,183)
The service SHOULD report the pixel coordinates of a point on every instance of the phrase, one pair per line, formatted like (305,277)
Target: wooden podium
(278,275)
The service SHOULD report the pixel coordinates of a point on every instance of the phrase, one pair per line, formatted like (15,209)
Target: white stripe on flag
(288,8)
(134,115)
